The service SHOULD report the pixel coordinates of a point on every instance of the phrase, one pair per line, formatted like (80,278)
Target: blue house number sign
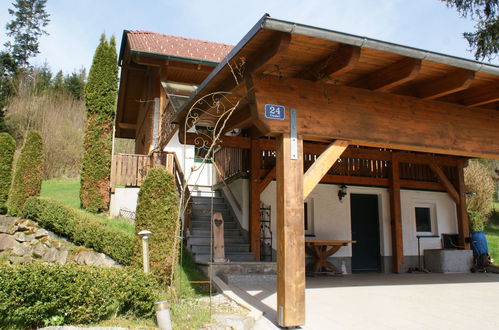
(273,111)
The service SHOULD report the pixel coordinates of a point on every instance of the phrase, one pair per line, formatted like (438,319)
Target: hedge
(33,295)
(80,227)
(157,211)
(100,101)
(7,150)
(28,175)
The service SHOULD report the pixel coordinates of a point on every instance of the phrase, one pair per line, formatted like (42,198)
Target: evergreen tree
(58,82)
(7,149)
(74,84)
(27,26)
(100,100)
(27,180)
(8,69)
(485,39)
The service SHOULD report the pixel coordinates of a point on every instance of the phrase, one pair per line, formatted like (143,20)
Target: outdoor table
(320,250)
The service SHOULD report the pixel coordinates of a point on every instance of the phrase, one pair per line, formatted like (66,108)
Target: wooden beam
(396,217)
(290,235)
(255,165)
(390,76)
(225,141)
(448,84)
(462,210)
(267,179)
(342,60)
(480,96)
(322,165)
(374,119)
(449,187)
(127,126)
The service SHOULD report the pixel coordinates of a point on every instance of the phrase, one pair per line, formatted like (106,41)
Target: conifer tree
(7,149)
(100,100)
(27,181)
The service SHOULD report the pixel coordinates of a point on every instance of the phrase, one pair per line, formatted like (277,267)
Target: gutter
(174,58)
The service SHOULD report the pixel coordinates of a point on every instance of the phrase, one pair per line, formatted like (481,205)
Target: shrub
(479,180)
(80,227)
(100,99)
(477,222)
(7,150)
(36,294)
(27,181)
(157,211)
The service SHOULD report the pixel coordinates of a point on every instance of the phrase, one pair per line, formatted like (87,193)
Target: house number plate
(273,111)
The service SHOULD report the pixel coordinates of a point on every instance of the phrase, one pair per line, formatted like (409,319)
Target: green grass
(492,234)
(66,191)
(187,312)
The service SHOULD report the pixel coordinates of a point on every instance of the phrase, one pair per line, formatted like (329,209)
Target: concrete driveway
(388,301)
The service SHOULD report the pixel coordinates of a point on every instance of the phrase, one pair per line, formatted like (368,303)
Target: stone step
(207,232)
(205,224)
(207,218)
(232,256)
(199,240)
(234,247)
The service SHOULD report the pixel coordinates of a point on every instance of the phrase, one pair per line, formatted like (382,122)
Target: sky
(76,25)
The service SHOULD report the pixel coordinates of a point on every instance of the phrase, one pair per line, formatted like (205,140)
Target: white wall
(123,198)
(203,176)
(332,218)
(240,189)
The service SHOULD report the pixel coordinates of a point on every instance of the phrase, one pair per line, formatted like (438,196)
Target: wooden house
(340,137)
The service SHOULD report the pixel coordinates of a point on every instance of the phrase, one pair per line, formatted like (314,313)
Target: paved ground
(381,301)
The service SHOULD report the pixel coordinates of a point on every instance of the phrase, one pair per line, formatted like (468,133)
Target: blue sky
(76,25)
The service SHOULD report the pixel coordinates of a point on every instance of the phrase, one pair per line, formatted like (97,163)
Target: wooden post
(290,235)
(461,208)
(218,238)
(254,214)
(396,216)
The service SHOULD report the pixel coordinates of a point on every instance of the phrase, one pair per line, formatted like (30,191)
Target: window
(424,219)
(308,217)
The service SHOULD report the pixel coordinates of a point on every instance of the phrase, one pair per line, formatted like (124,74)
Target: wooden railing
(232,161)
(130,170)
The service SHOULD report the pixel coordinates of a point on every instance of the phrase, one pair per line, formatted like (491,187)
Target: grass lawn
(188,313)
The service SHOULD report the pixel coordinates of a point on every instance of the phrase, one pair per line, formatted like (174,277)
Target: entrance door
(365,230)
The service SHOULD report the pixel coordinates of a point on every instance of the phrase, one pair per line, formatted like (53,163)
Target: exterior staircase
(237,246)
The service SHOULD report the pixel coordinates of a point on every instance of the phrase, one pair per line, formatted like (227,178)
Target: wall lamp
(342,192)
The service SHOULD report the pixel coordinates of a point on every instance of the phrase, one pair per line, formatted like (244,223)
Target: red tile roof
(151,42)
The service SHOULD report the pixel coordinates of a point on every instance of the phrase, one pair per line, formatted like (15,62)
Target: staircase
(237,247)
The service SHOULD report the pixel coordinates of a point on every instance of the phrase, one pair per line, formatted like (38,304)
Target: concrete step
(205,224)
(216,200)
(232,256)
(234,247)
(207,232)
(207,206)
(207,213)
(199,240)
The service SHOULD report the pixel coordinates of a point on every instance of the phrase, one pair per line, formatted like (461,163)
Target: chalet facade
(319,134)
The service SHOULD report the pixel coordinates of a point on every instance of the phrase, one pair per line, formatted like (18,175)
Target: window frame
(433,218)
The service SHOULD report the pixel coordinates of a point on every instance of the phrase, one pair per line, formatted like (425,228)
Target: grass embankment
(188,313)
(492,233)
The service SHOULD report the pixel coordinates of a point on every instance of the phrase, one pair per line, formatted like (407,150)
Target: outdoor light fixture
(145,249)
(342,192)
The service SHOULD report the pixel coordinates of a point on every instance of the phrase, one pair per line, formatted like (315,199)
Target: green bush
(479,181)
(27,181)
(157,211)
(80,227)
(7,150)
(36,294)
(477,221)
(100,99)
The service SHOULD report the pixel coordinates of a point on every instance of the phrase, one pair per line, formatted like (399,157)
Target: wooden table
(320,250)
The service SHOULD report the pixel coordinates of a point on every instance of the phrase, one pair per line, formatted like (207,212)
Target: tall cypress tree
(7,149)
(27,180)
(100,100)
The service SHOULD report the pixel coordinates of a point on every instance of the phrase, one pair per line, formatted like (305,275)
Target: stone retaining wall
(23,241)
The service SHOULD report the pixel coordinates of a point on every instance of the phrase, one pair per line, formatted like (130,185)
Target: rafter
(342,60)
(480,96)
(448,84)
(449,187)
(390,76)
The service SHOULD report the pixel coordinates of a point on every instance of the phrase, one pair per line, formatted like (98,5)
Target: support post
(254,214)
(461,208)
(290,234)
(396,216)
